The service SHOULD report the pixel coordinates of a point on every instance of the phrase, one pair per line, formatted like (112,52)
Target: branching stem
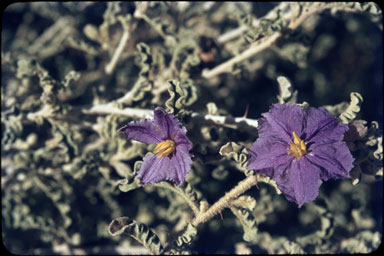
(119,50)
(112,64)
(230,122)
(265,43)
(243,186)
(255,48)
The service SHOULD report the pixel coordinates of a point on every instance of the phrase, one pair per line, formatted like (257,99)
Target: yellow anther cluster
(164,148)
(298,148)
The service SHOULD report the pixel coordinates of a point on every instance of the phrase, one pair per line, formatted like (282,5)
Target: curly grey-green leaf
(248,222)
(145,58)
(13,127)
(70,78)
(143,85)
(142,88)
(353,109)
(128,184)
(286,92)
(144,235)
(266,27)
(181,94)
(188,235)
(67,141)
(238,152)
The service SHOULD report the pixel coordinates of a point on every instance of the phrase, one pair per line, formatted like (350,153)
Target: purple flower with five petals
(171,159)
(298,148)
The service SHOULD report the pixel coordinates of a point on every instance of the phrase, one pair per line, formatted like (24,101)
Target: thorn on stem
(246,111)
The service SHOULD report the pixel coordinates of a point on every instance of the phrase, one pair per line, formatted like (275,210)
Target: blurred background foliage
(67,174)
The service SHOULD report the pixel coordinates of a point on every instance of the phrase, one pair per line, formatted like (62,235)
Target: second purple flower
(298,148)
(171,159)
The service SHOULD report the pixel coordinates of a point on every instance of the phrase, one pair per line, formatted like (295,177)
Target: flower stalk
(217,207)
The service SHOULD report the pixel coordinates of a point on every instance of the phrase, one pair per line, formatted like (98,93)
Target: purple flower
(298,148)
(171,159)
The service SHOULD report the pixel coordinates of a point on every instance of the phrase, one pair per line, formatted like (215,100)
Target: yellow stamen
(298,148)
(296,139)
(164,148)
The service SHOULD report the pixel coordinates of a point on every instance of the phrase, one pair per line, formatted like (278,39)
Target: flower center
(164,148)
(298,148)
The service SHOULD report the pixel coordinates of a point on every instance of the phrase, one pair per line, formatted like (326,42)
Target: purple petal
(281,175)
(267,153)
(334,159)
(281,121)
(174,168)
(181,163)
(183,147)
(305,179)
(154,169)
(182,143)
(300,181)
(321,126)
(142,130)
(168,124)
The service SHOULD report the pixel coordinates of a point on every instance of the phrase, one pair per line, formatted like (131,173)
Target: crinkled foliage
(74,72)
